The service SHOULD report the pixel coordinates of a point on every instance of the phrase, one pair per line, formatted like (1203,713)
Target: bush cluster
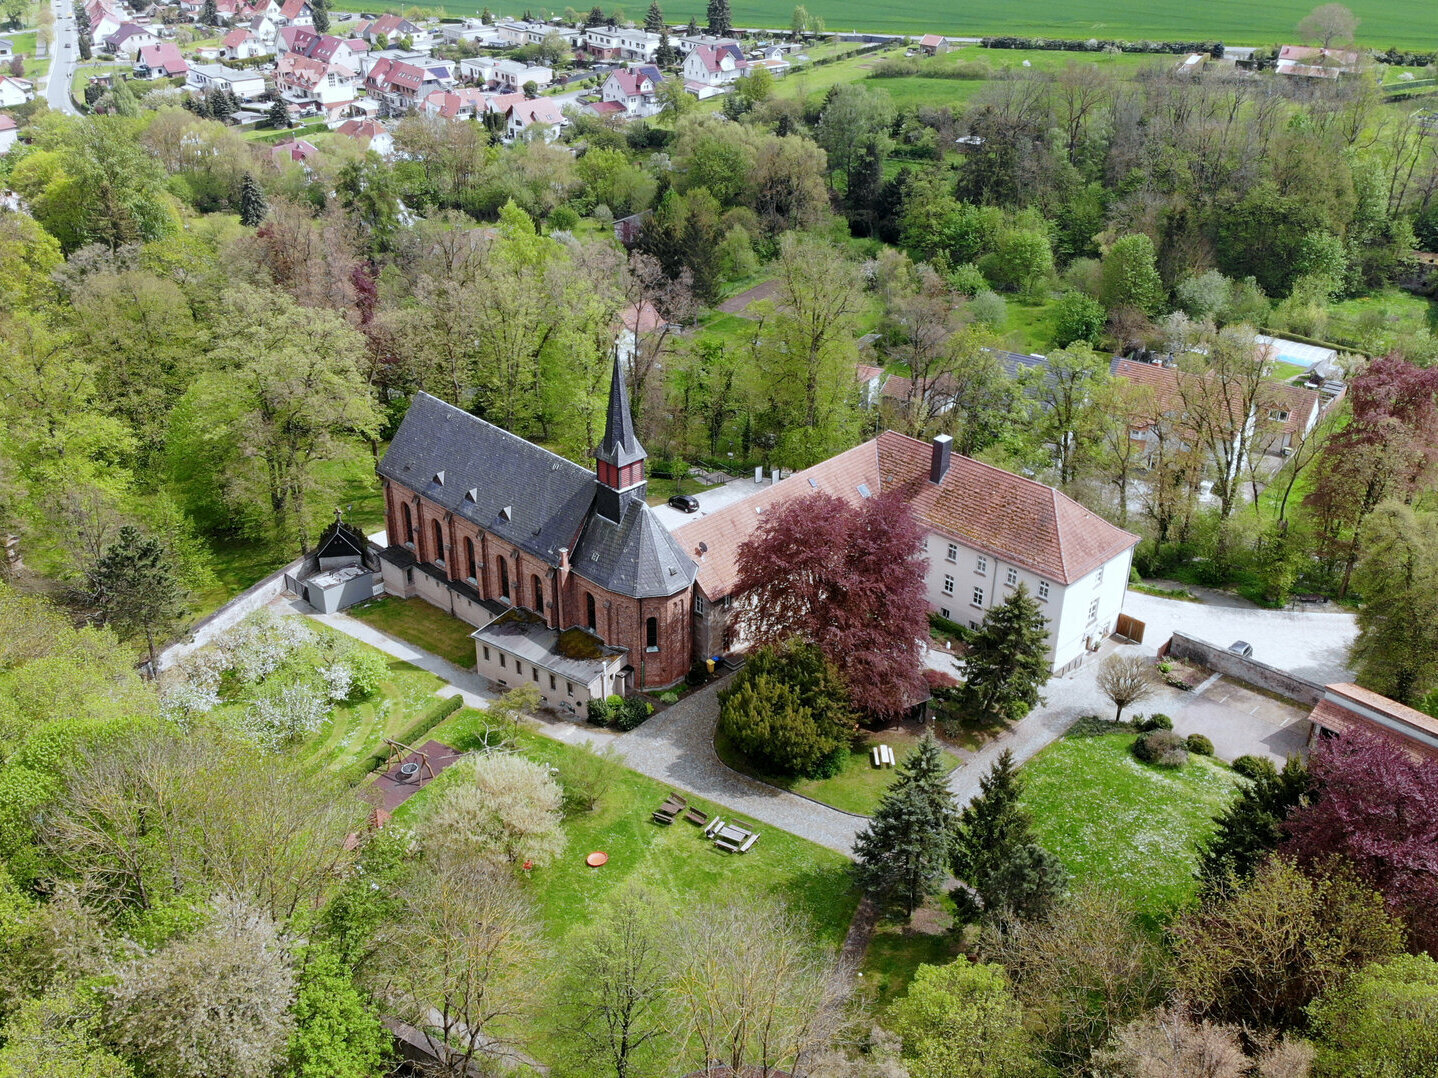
(1157,721)
(1161,747)
(1095,44)
(620,712)
(1198,745)
(1255,767)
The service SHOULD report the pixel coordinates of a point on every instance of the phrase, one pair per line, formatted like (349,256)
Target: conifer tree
(692,28)
(210,14)
(137,588)
(596,17)
(1008,663)
(721,21)
(320,10)
(903,854)
(1251,827)
(86,48)
(279,115)
(666,55)
(252,202)
(654,19)
(1007,873)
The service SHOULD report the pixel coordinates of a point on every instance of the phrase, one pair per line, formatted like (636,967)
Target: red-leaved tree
(1377,807)
(848,579)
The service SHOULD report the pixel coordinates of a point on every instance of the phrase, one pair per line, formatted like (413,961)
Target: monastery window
(982,565)
(943,611)
(569,688)
(438,542)
(589,618)
(1013,577)
(978,599)
(538,587)
(534,670)
(701,605)
(1043,589)
(469,558)
(948,584)
(486,653)
(503,577)
(551,682)
(1098,577)
(1093,610)
(953,554)
(501,660)
(651,634)
(408,539)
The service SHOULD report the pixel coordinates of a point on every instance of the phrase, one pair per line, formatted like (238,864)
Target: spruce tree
(137,589)
(1008,875)
(210,14)
(654,19)
(903,854)
(666,55)
(1251,827)
(252,202)
(279,115)
(320,10)
(1008,663)
(82,20)
(86,48)
(721,21)
(692,28)
(596,17)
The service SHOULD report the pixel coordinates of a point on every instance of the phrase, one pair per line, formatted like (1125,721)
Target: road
(66,55)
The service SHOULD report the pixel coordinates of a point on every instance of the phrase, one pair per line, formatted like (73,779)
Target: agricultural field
(1403,23)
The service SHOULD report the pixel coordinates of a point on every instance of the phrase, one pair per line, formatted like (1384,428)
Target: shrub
(787,710)
(670,697)
(1174,759)
(698,674)
(587,775)
(1153,746)
(629,712)
(1157,721)
(599,711)
(1198,745)
(368,671)
(1255,767)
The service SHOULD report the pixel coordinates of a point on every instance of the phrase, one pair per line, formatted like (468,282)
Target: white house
(620,43)
(525,119)
(290,13)
(247,84)
(14,92)
(635,89)
(714,65)
(369,134)
(241,44)
(509,74)
(161,61)
(9,132)
(129,39)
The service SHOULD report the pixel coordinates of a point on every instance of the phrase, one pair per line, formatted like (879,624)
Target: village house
(246,84)
(314,84)
(528,119)
(635,89)
(9,132)
(160,61)
(289,13)
(988,531)
(620,43)
(241,44)
(401,86)
(7,48)
(708,68)
(129,39)
(933,44)
(369,134)
(505,74)
(394,29)
(327,48)
(480,522)
(1314,63)
(105,19)
(519,32)
(475,31)
(293,151)
(14,91)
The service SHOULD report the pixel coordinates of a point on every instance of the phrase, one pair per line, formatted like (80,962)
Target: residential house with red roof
(241,44)
(528,119)
(635,88)
(329,88)
(393,29)
(369,135)
(161,61)
(293,150)
(402,86)
(988,531)
(933,44)
(105,19)
(1314,63)
(290,13)
(708,67)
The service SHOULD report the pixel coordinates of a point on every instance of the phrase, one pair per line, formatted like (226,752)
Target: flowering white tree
(280,718)
(338,679)
(259,645)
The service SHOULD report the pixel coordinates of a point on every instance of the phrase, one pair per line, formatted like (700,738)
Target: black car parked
(685,503)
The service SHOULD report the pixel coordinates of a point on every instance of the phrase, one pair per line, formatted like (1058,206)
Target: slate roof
(620,446)
(550,500)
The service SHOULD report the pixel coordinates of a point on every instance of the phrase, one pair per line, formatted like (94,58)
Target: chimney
(939,459)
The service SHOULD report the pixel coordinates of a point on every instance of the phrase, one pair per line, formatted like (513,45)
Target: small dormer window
(1279,415)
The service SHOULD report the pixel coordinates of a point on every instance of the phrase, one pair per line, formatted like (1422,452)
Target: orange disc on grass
(597,858)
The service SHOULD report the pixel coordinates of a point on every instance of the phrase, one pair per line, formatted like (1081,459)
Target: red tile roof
(164,57)
(605,108)
(235,38)
(1410,729)
(7,123)
(983,507)
(291,9)
(931,41)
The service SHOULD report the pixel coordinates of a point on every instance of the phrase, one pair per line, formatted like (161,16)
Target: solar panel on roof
(813,484)
(864,491)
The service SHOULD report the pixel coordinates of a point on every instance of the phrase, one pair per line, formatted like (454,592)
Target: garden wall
(1249,671)
(236,610)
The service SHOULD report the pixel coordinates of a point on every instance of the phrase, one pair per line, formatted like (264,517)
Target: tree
(619,971)
(457,960)
(961,1021)
(799,21)
(209,14)
(1080,972)
(278,115)
(1329,24)
(1023,261)
(751,991)
(674,100)
(903,854)
(337,1032)
(252,202)
(1381,1023)
(853,116)
(595,17)
(1376,807)
(55,1035)
(1251,827)
(1168,1042)
(788,711)
(320,10)
(1078,318)
(721,21)
(1008,663)
(214,1002)
(666,55)
(848,579)
(1396,650)
(1130,276)
(1283,939)
(654,19)
(1126,680)
(499,809)
(137,589)
(86,50)
(1006,874)
(1065,400)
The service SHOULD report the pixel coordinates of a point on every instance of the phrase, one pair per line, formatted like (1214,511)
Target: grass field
(423,625)
(676,864)
(857,788)
(1405,23)
(1116,821)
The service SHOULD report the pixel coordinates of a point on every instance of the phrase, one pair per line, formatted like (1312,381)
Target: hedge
(410,735)
(1095,44)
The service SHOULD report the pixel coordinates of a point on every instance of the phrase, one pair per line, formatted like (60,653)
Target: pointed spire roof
(621,445)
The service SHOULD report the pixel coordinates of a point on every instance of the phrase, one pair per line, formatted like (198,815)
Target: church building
(571,580)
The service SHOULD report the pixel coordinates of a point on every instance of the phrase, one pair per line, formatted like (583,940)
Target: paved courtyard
(1242,722)
(736,490)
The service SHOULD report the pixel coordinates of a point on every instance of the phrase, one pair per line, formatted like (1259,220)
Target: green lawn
(857,788)
(658,490)
(354,730)
(675,863)
(1030,326)
(417,622)
(1375,322)
(1124,823)
(934,93)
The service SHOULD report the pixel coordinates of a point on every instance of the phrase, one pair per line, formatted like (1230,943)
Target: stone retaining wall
(1249,671)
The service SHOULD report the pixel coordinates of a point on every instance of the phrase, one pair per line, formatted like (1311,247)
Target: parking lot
(1241,721)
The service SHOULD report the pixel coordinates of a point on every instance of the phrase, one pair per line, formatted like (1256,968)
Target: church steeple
(620,457)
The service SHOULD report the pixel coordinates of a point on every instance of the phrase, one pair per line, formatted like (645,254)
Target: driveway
(736,490)
(1241,721)
(66,53)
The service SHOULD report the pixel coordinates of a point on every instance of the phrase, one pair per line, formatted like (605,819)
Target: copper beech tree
(848,579)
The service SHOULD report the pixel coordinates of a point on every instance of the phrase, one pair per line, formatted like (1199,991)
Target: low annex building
(482,522)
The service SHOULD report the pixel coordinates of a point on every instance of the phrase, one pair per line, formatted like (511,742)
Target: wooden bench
(714,826)
(695,816)
(748,842)
(876,758)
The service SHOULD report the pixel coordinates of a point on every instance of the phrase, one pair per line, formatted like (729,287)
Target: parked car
(685,503)
(1241,647)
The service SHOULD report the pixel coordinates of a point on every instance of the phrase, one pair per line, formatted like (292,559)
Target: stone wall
(1249,671)
(236,610)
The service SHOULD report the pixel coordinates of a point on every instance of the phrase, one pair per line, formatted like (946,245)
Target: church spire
(620,447)
(620,456)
